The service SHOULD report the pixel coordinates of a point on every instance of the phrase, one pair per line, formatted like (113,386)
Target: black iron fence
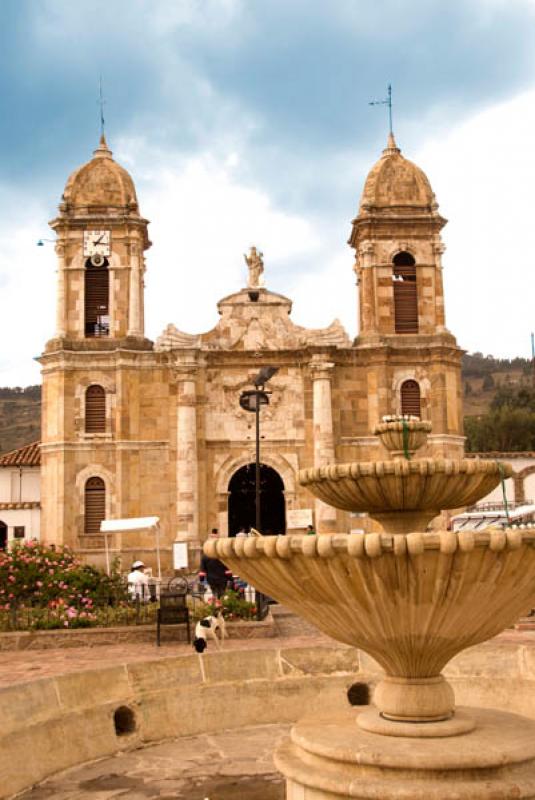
(119,610)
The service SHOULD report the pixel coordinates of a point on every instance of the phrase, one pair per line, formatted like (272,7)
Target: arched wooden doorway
(3,535)
(241,500)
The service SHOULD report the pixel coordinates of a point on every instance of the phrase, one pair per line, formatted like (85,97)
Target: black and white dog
(213,626)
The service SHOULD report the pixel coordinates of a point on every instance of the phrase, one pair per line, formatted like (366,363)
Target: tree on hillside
(488,382)
(509,425)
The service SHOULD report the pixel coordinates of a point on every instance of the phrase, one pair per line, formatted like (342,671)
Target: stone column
(61,306)
(186,454)
(134,301)
(322,419)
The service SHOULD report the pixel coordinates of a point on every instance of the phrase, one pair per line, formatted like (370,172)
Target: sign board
(180,555)
(299,518)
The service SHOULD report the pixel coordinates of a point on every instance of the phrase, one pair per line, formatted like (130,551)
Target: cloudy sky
(247,122)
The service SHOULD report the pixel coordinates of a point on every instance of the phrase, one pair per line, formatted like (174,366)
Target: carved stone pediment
(173,339)
(262,324)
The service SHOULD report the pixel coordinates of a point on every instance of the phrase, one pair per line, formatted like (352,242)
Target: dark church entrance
(241,501)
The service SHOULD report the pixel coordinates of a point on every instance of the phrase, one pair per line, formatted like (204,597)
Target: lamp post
(252,400)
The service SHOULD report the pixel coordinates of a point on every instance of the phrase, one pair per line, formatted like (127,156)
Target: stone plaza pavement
(222,766)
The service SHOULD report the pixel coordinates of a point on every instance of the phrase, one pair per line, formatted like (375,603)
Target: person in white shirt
(138,582)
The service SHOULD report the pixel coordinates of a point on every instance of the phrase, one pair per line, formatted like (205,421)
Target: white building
(20,506)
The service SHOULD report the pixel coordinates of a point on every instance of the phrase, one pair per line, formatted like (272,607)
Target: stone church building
(135,428)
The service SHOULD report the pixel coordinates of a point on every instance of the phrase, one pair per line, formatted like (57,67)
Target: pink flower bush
(33,576)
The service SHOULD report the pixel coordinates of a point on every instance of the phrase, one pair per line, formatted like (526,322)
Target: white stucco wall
(20,486)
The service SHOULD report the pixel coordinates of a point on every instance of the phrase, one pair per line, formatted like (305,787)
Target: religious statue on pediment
(255,265)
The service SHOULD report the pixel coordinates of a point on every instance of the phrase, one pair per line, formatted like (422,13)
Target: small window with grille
(405,293)
(94,505)
(97,297)
(410,398)
(95,409)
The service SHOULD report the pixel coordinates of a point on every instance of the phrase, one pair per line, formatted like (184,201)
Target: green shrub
(232,605)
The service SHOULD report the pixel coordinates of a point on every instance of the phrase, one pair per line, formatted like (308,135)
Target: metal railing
(116,610)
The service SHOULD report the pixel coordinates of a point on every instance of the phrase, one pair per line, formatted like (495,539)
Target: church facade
(134,428)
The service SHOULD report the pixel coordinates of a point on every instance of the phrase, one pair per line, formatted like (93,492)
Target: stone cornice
(248,445)
(120,444)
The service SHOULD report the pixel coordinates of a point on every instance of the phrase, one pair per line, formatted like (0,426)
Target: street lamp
(252,400)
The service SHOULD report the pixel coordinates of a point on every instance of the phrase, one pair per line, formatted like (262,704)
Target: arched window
(410,398)
(97,297)
(94,504)
(95,410)
(405,294)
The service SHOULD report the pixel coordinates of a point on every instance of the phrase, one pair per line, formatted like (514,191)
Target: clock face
(97,243)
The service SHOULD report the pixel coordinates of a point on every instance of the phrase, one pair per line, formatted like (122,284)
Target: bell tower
(398,247)
(101,238)
(412,361)
(94,446)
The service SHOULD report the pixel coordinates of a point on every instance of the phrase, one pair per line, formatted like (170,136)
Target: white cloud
(202,222)
(483,173)
(27,291)
(204,216)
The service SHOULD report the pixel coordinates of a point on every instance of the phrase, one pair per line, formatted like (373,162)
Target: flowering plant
(51,579)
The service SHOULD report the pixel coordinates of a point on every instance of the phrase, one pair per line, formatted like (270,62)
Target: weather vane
(386,102)
(101,103)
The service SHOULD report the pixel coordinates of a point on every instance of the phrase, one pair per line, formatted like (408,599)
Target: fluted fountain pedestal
(332,758)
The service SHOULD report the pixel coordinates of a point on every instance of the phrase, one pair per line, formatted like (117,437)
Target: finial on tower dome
(391,146)
(102,151)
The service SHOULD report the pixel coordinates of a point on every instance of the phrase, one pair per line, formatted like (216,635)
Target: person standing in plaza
(214,571)
(138,582)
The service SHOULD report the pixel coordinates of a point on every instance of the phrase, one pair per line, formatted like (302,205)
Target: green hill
(20,417)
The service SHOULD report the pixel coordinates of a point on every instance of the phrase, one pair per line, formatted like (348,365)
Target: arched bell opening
(241,501)
(97,297)
(405,293)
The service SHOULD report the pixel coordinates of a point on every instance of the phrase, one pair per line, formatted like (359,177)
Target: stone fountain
(412,600)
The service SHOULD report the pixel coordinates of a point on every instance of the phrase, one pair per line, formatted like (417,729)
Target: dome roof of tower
(100,182)
(395,181)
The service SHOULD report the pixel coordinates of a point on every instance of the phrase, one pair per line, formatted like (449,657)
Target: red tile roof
(27,456)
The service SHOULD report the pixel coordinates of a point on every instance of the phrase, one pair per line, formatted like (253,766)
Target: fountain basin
(404,495)
(412,601)
(402,437)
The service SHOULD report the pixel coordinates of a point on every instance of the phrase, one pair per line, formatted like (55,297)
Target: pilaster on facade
(321,371)
(439,249)
(61,304)
(187,471)
(367,290)
(135,313)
